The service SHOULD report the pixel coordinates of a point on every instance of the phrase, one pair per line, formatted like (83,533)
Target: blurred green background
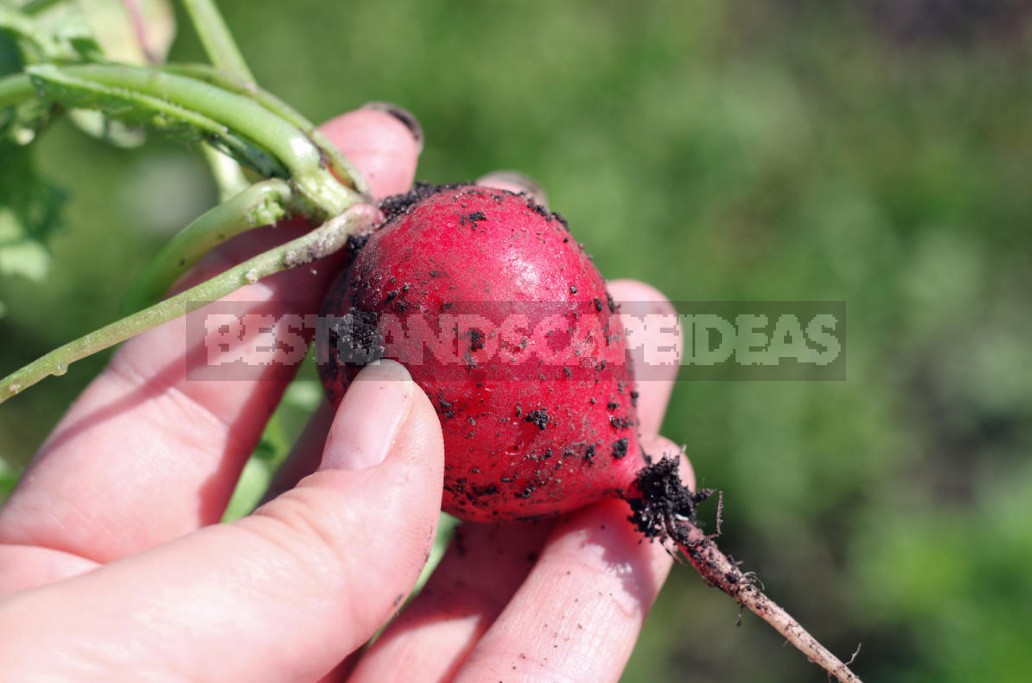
(875,152)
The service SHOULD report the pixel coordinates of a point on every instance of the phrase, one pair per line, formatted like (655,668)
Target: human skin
(113,565)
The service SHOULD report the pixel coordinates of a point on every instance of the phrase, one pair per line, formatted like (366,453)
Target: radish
(530,429)
(505,323)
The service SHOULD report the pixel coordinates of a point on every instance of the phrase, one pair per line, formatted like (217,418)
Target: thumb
(283,594)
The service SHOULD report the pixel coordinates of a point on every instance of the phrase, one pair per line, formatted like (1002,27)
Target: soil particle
(545,213)
(620,422)
(539,417)
(401,204)
(355,337)
(356,242)
(664,500)
(472,218)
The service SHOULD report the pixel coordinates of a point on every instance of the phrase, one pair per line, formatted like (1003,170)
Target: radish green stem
(718,570)
(225,55)
(218,78)
(337,161)
(219,106)
(261,204)
(211,110)
(217,41)
(326,239)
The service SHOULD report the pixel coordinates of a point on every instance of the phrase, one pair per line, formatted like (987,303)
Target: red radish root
(505,323)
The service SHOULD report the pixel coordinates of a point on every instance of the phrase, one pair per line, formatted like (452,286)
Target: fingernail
(404,115)
(515,181)
(369,417)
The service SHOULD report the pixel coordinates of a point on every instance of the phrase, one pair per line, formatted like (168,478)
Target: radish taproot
(503,320)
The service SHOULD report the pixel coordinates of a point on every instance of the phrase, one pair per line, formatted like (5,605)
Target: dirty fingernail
(404,115)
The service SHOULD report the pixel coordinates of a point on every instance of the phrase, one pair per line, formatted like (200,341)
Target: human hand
(114,566)
(554,601)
